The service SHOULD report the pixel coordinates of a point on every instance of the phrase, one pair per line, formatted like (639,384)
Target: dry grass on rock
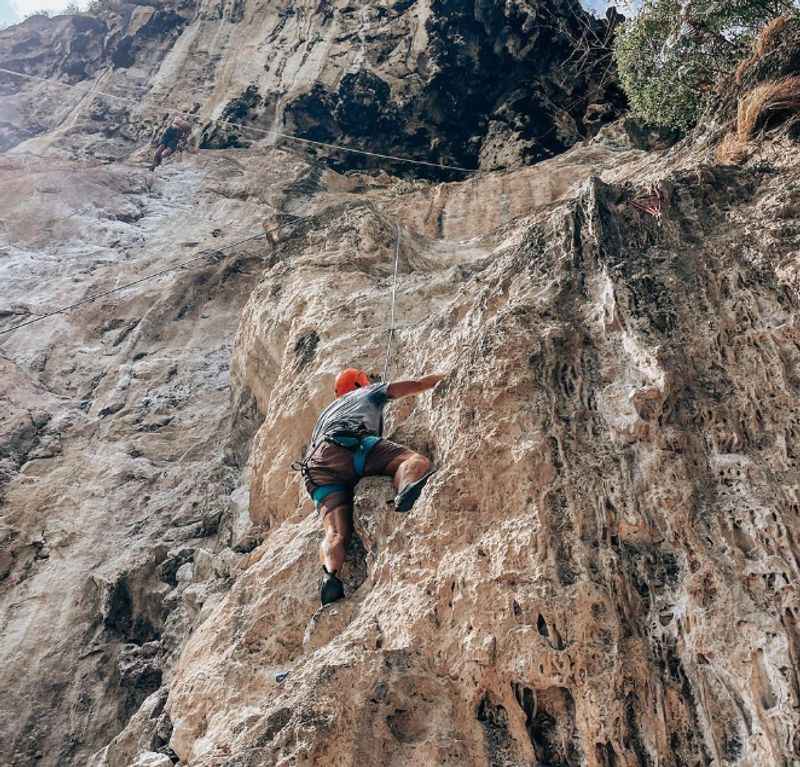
(731,151)
(765,101)
(767,40)
(756,108)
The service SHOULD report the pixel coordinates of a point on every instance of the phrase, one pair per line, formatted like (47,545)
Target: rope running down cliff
(278,134)
(394,299)
(477,173)
(210,252)
(91,299)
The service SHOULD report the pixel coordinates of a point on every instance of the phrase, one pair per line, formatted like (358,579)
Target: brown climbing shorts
(332,464)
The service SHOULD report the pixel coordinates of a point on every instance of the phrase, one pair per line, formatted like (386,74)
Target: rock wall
(486,85)
(112,469)
(602,572)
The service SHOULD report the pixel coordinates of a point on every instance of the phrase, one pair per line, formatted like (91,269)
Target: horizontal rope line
(276,133)
(92,299)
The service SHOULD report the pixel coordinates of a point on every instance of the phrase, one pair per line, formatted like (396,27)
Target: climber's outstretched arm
(400,389)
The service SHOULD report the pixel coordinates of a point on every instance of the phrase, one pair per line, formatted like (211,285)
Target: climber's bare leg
(338,525)
(409,471)
(407,468)
(157,157)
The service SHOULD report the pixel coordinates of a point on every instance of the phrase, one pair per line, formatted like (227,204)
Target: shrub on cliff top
(101,7)
(673,53)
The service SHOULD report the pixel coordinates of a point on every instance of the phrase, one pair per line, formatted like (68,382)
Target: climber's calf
(171,139)
(347,445)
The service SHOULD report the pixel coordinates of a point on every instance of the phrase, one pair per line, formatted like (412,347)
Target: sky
(599,7)
(12,11)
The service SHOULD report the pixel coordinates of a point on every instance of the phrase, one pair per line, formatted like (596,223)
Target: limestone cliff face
(603,571)
(470,84)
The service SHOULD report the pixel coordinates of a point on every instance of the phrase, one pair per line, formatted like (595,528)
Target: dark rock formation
(494,86)
(475,85)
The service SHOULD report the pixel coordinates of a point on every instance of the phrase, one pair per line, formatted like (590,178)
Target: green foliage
(71,9)
(101,7)
(672,54)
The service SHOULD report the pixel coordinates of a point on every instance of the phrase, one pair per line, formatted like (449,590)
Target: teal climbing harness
(321,492)
(359,445)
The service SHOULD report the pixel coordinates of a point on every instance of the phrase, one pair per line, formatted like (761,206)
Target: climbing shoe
(332,588)
(406,498)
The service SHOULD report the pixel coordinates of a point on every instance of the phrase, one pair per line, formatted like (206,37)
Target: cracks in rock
(635,743)
(122,618)
(168,569)
(355,571)
(687,738)
(498,741)
(30,434)
(245,421)
(526,698)
(549,723)
(139,674)
(552,728)
(605,755)
(550,633)
(305,349)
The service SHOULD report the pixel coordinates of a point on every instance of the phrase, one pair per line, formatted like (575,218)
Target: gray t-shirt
(359,411)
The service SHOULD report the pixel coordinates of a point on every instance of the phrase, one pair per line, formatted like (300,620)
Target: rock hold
(601,572)
(151,759)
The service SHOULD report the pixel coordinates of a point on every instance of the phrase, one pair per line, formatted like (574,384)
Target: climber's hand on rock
(435,379)
(400,389)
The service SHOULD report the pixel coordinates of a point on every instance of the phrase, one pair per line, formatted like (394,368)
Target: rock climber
(171,140)
(271,228)
(346,445)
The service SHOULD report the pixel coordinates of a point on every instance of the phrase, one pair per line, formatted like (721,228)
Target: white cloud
(25,7)
(8,13)
(599,7)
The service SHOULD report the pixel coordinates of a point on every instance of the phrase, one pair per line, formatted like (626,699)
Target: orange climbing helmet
(350,380)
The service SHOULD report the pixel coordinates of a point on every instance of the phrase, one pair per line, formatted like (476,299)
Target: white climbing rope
(137,102)
(394,301)
(276,133)
(91,299)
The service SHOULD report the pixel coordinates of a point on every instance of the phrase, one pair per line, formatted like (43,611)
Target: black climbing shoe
(406,498)
(332,588)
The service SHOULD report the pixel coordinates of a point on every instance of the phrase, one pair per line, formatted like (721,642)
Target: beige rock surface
(603,565)
(468,85)
(114,469)
(602,572)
